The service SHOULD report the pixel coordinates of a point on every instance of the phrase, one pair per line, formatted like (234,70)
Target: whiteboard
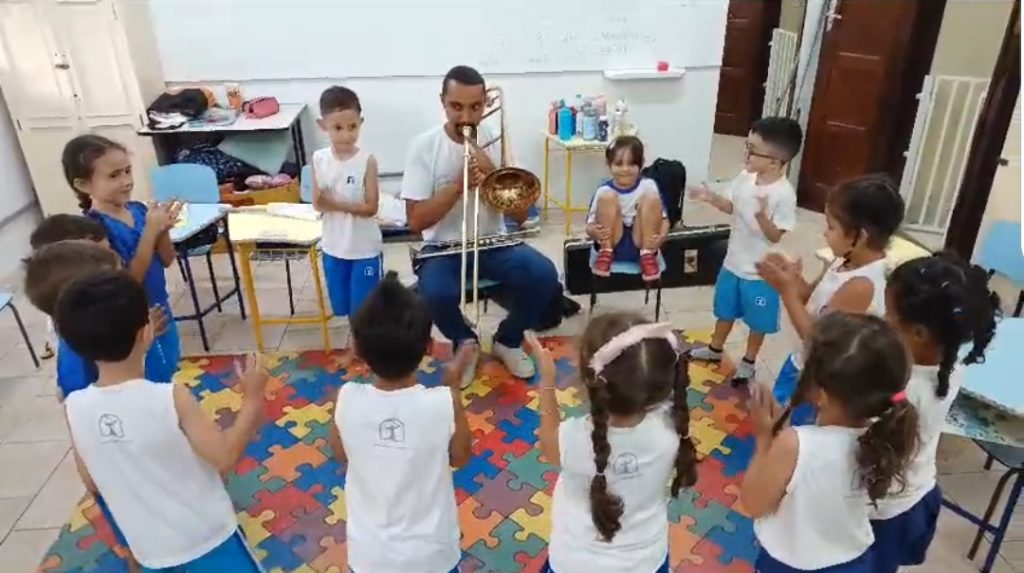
(218,40)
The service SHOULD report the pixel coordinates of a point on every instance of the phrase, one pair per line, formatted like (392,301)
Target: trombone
(506,189)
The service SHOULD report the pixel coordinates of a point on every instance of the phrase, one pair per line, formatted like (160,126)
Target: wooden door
(858,84)
(107,92)
(40,96)
(744,64)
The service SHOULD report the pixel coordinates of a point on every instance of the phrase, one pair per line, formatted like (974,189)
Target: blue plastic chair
(6,301)
(1001,254)
(191,183)
(306,184)
(186,182)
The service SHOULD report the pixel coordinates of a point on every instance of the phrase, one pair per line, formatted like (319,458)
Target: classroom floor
(39,488)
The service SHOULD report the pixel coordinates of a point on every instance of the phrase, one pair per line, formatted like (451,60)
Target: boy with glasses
(762,203)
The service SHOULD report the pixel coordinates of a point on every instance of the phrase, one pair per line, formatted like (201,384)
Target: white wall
(675,117)
(16,188)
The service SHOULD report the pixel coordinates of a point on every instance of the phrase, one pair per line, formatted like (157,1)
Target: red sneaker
(603,264)
(649,269)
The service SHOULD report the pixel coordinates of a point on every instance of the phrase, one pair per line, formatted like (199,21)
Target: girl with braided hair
(609,509)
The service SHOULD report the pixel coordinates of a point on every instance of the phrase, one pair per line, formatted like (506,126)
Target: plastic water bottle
(565,124)
(602,128)
(553,119)
(581,108)
(590,127)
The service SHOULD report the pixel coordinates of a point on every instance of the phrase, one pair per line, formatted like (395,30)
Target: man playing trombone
(433,187)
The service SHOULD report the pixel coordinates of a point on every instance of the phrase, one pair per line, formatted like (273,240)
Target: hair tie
(958,310)
(944,285)
(634,335)
(898,397)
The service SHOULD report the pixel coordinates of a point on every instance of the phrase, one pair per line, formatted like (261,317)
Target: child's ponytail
(887,447)
(605,507)
(985,308)
(686,456)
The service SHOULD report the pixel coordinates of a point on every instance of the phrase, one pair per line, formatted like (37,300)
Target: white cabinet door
(40,96)
(106,89)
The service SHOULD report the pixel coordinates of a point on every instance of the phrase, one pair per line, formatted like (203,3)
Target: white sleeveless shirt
(822,519)
(170,504)
(832,281)
(399,490)
(931,411)
(346,236)
(639,469)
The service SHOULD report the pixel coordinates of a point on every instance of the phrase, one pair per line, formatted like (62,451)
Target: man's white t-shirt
(399,490)
(434,161)
(346,236)
(747,243)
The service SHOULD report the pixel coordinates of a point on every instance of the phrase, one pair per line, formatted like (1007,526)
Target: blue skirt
(904,539)
(768,564)
(785,385)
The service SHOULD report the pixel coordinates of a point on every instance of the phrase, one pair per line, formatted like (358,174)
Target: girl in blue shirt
(100,173)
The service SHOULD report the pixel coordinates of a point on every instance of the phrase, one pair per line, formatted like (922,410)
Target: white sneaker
(706,354)
(469,374)
(516,360)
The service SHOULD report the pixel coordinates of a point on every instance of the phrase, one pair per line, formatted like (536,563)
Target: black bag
(670,175)
(189,102)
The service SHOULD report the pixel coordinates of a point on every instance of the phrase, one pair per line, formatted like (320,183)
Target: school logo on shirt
(111,429)
(626,465)
(350,180)
(760,301)
(369,271)
(391,432)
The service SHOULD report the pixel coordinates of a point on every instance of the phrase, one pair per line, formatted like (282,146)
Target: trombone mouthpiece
(467,131)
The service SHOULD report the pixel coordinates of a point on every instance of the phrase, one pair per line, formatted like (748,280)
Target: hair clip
(898,397)
(944,284)
(958,310)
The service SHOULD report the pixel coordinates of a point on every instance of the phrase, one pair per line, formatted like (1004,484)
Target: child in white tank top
(861,216)
(149,448)
(400,440)
(346,190)
(609,508)
(809,488)
(937,304)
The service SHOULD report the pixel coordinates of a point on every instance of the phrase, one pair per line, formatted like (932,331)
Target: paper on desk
(250,226)
(301,211)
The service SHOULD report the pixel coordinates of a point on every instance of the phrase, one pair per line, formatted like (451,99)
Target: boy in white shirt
(346,191)
(762,203)
(400,440)
(149,448)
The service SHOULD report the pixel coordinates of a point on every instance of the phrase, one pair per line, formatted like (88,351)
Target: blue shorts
(233,555)
(626,250)
(754,301)
(118,535)
(904,539)
(663,569)
(767,564)
(163,357)
(785,385)
(349,281)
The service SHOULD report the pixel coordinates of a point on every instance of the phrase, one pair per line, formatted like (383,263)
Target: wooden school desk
(167,141)
(188,235)
(574,145)
(253,229)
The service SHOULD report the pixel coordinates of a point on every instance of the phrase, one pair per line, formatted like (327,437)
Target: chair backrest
(1001,251)
(187,182)
(306,184)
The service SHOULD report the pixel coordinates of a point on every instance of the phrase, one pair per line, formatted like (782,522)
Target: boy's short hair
(464,75)
(52,267)
(65,227)
(782,132)
(338,98)
(100,315)
(391,331)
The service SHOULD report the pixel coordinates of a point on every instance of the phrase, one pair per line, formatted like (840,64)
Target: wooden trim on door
(990,135)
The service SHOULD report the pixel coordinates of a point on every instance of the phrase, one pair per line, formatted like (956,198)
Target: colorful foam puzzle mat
(290,493)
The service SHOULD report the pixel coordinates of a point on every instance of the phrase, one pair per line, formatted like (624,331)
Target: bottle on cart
(553,119)
(602,128)
(565,123)
(590,122)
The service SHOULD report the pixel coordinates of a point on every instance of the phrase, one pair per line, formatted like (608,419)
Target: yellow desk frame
(255,227)
(575,145)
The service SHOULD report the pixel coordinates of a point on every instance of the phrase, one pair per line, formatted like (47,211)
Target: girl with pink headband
(609,509)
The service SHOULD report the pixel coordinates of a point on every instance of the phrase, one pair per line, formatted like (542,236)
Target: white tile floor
(38,484)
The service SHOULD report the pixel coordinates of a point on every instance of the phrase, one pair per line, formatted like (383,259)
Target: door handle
(62,66)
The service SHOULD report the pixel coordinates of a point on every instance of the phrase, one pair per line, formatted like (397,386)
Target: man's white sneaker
(516,360)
